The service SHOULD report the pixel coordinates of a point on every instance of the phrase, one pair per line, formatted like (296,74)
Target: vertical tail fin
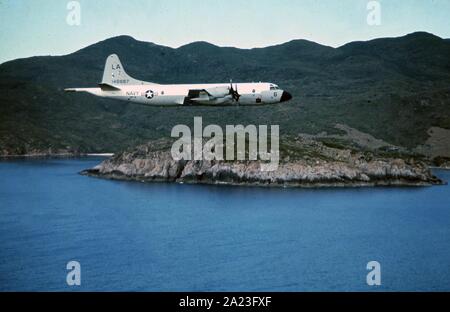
(114,73)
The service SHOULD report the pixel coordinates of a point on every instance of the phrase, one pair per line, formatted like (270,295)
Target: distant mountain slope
(394,89)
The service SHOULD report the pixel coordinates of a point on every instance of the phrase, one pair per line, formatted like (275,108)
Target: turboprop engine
(219,92)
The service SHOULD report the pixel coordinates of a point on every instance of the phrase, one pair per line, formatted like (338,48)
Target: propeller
(234,92)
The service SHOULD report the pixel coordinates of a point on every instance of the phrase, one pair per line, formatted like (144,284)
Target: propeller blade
(234,91)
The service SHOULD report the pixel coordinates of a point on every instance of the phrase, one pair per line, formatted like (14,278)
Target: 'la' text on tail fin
(114,73)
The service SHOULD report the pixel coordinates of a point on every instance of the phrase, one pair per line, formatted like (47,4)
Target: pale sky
(31,27)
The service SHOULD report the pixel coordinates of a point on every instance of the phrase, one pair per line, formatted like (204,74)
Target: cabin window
(162,92)
(274,88)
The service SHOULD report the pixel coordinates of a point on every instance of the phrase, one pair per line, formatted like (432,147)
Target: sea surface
(175,237)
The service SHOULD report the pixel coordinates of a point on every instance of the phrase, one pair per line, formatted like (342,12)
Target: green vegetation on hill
(394,89)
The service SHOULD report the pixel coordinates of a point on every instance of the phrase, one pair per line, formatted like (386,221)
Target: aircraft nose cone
(285,96)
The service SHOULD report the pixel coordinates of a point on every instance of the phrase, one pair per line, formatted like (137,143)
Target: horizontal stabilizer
(108,87)
(94,91)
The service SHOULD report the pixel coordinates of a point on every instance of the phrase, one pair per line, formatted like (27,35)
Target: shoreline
(307,185)
(388,182)
(440,168)
(56,155)
(82,155)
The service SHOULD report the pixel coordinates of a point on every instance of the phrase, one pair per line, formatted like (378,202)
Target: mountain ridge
(392,88)
(128,37)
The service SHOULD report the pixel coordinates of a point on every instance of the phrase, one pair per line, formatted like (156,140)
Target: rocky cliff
(305,163)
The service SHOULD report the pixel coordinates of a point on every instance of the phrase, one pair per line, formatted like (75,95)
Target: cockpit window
(274,87)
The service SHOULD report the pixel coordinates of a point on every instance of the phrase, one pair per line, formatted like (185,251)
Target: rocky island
(304,162)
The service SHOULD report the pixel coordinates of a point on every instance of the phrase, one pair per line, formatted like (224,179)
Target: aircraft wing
(213,96)
(209,95)
(199,95)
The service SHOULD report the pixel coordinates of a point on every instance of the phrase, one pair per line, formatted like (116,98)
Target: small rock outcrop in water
(305,163)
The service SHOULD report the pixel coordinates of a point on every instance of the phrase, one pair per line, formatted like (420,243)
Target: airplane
(117,84)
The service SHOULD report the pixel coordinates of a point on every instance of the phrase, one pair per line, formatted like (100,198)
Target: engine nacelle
(218,92)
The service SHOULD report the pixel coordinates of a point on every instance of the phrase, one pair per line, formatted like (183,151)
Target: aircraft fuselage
(182,94)
(117,84)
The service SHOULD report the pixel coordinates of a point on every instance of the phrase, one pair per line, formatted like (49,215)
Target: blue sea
(175,237)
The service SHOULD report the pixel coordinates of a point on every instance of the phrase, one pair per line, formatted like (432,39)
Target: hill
(392,89)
